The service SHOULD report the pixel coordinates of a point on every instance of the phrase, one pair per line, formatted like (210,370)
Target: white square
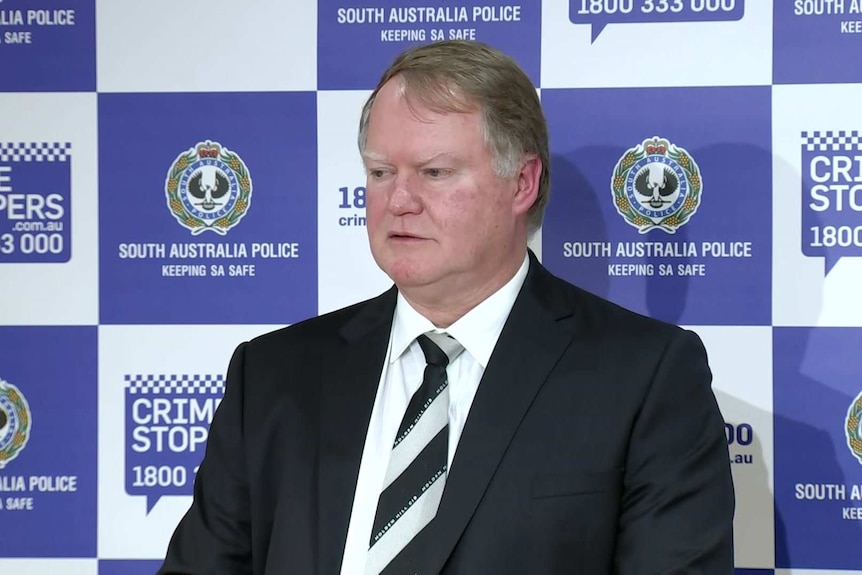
(803,294)
(52,566)
(156,350)
(741,362)
(56,293)
(212,45)
(731,53)
(347,273)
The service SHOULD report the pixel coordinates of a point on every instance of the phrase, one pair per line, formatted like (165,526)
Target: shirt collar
(477,331)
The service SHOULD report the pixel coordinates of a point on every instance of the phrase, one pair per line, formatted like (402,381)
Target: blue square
(818,448)
(48,439)
(357,43)
(49,46)
(661,200)
(208,208)
(816,42)
(128,567)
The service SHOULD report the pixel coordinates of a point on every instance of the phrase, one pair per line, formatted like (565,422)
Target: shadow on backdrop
(572,193)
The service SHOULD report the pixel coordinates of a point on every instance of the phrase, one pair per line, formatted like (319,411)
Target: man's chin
(407,279)
(408,273)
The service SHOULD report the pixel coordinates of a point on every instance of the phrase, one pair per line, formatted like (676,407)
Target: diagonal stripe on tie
(407,487)
(397,539)
(404,452)
(416,473)
(419,403)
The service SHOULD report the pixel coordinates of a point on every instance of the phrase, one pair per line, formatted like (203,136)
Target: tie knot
(439,348)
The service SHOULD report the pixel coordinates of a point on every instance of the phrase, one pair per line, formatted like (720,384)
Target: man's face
(440,222)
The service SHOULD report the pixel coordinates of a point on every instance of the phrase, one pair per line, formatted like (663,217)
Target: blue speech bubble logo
(35,202)
(600,13)
(831,196)
(167,426)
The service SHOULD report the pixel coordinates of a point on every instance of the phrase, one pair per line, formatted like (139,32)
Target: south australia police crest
(14,422)
(208,188)
(853,428)
(656,185)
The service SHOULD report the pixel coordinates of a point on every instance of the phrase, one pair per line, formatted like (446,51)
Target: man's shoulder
(603,318)
(319,331)
(620,337)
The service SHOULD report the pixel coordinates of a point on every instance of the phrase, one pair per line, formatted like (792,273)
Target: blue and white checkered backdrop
(176,177)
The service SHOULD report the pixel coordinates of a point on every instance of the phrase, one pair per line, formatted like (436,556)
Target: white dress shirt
(401,376)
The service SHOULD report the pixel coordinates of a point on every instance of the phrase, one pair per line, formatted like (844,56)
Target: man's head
(461,76)
(455,147)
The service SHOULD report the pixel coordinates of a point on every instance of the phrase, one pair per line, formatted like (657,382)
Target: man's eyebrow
(439,156)
(373,156)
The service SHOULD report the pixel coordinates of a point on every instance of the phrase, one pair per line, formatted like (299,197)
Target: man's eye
(436,172)
(376,174)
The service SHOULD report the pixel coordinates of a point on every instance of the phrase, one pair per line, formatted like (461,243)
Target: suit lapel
(349,379)
(529,346)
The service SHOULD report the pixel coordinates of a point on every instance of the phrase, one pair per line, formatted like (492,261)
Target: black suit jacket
(594,445)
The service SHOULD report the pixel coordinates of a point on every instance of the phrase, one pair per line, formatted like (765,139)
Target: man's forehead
(425,97)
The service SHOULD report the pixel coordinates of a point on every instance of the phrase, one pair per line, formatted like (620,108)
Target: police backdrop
(176,177)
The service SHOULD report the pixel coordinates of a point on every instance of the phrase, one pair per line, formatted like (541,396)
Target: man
(550,432)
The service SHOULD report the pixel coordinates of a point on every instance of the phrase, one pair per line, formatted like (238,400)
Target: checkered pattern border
(826,141)
(35,151)
(174,383)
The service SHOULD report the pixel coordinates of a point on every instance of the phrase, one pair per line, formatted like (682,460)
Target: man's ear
(528,179)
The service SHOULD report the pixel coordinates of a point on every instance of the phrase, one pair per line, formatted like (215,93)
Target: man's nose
(404,198)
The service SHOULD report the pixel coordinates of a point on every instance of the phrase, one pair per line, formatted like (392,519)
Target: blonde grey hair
(463,77)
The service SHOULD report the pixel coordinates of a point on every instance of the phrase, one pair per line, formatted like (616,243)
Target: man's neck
(445,310)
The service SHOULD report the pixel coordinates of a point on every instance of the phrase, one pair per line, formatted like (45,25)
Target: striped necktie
(417,467)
